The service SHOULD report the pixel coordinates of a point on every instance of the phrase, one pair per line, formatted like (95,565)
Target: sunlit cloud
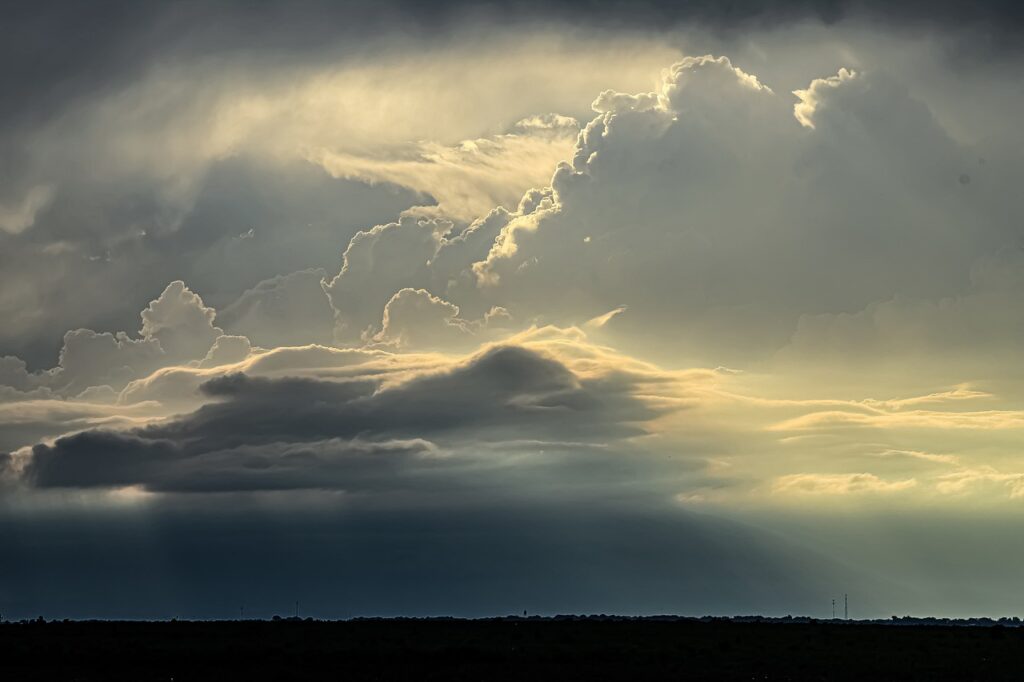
(839,484)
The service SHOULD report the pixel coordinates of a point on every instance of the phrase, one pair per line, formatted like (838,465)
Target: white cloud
(227,350)
(416,318)
(810,99)
(89,358)
(176,328)
(179,321)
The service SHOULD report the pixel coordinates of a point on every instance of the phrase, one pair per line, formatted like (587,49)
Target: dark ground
(529,649)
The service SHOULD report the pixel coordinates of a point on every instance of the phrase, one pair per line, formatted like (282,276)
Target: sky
(454,308)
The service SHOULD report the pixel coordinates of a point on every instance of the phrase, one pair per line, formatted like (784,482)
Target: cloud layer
(572,287)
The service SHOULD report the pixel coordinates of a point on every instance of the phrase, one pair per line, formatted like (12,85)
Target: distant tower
(846,607)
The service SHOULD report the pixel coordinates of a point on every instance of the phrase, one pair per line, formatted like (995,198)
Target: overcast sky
(470,308)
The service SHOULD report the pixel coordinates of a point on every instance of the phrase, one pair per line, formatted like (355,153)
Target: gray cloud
(291,432)
(104,232)
(227,350)
(416,318)
(286,310)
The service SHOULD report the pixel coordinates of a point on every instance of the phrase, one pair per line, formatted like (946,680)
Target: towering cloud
(177,328)
(710,208)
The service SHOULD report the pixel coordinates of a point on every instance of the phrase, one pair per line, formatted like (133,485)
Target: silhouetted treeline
(566,647)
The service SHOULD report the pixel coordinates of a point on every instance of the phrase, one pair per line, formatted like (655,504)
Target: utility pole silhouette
(833,609)
(846,607)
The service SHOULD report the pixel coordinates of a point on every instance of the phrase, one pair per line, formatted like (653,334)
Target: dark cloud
(52,53)
(249,222)
(104,458)
(355,435)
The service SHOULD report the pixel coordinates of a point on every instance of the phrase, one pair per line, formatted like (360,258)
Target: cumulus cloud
(810,99)
(415,317)
(176,328)
(15,375)
(605,233)
(179,321)
(287,310)
(376,264)
(622,223)
(625,213)
(705,191)
(151,177)
(227,350)
(90,358)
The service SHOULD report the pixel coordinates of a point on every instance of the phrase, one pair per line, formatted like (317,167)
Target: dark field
(505,649)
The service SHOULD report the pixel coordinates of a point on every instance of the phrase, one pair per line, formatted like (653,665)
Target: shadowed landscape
(512,648)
